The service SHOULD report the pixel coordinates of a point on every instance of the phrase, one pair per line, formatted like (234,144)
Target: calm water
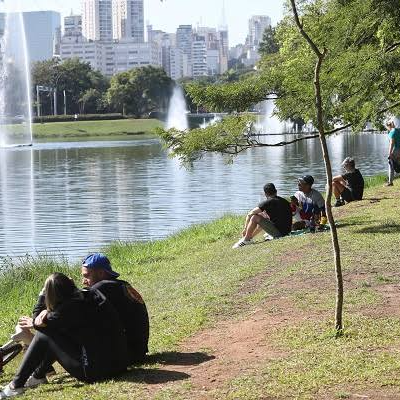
(71,198)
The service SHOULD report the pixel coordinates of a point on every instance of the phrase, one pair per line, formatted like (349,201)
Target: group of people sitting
(93,333)
(278,217)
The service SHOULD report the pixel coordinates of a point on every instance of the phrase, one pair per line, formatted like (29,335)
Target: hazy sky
(169,14)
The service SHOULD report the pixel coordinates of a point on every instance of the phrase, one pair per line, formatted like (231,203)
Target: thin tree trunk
(328,170)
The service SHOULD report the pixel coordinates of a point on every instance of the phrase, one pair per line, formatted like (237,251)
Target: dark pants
(43,352)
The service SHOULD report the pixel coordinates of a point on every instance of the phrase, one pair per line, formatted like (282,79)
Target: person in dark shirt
(80,329)
(349,186)
(97,274)
(273,215)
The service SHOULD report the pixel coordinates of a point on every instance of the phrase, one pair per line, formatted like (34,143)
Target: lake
(70,198)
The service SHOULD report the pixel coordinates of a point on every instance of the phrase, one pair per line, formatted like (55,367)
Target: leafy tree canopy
(360,74)
(139,91)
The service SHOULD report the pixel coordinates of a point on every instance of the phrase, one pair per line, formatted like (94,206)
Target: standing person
(311,203)
(349,186)
(394,151)
(80,329)
(278,223)
(97,274)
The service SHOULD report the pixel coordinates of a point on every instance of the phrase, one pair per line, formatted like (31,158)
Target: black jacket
(132,312)
(90,321)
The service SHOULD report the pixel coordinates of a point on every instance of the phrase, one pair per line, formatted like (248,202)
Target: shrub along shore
(194,280)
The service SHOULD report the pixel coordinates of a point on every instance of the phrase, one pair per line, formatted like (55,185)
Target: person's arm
(338,178)
(40,305)
(391,148)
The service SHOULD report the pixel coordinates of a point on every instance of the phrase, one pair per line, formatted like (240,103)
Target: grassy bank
(84,129)
(194,280)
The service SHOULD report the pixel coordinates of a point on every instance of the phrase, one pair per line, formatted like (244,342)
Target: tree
(338,64)
(140,90)
(269,44)
(73,76)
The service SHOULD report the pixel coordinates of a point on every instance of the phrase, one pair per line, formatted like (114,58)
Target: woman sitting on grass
(77,328)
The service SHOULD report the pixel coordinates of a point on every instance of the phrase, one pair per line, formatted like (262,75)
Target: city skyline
(163,15)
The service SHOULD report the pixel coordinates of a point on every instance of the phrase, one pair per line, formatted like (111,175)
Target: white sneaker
(242,243)
(8,391)
(267,236)
(32,382)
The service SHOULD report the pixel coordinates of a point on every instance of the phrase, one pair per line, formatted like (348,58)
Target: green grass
(84,129)
(194,279)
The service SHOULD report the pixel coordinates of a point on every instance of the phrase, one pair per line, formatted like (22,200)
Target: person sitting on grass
(349,186)
(311,203)
(273,215)
(97,274)
(80,329)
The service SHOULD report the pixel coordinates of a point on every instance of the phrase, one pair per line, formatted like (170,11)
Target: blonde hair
(58,288)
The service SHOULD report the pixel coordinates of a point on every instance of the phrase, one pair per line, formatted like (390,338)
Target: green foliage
(360,77)
(139,91)
(269,44)
(81,117)
(77,78)
(226,137)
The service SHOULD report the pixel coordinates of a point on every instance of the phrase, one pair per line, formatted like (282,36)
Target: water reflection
(72,198)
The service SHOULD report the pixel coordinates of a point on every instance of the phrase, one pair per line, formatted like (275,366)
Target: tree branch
(303,32)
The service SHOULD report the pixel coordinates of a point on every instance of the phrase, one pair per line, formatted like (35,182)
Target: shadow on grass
(178,358)
(386,227)
(153,376)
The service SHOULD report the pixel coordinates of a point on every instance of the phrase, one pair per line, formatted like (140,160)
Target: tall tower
(97,19)
(223,42)
(128,20)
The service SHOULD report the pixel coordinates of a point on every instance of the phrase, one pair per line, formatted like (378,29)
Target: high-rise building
(128,20)
(184,42)
(42,30)
(257,26)
(73,25)
(97,19)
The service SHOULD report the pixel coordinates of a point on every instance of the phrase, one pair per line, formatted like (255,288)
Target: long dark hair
(58,288)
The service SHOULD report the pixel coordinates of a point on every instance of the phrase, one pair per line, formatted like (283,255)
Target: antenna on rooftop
(223,24)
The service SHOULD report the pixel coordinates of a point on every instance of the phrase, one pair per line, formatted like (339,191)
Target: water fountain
(177,111)
(269,123)
(15,99)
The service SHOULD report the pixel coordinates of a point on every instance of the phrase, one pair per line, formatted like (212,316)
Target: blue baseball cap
(99,261)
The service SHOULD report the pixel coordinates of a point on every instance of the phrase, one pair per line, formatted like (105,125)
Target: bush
(81,117)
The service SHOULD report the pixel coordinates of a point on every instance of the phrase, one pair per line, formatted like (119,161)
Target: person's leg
(252,227)
(44,351)
(391,172)
(270,228)
(337,188)
(347,195)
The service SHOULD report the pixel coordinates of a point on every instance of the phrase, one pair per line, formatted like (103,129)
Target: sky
(167,15)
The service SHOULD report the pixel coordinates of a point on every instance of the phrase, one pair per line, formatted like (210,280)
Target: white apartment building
(97,19)
(110,57)
(73,25)
(257,26)
(128,20)
(199,58)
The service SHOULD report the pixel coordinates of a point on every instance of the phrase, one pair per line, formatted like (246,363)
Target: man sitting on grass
(311,203)
(349,186)
(273,215)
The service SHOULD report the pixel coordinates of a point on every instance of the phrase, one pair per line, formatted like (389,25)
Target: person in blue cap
(97,274)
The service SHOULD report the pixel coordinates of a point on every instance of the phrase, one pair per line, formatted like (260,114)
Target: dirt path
(234,348)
